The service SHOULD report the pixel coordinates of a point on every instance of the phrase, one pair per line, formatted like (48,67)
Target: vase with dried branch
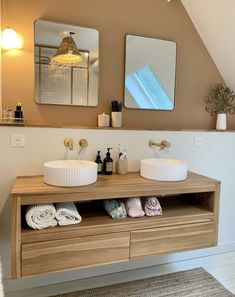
(220,101)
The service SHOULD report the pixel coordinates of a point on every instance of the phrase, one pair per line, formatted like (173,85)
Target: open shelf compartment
(180,209)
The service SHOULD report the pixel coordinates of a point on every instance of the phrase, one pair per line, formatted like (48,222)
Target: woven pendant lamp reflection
(67,54)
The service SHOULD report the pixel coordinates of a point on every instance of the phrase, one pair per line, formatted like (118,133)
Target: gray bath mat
(191,283)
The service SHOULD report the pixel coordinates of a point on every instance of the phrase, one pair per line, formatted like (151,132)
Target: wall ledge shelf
(59,126)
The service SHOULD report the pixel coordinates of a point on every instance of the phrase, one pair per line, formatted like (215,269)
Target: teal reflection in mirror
(66,84)
(150,73)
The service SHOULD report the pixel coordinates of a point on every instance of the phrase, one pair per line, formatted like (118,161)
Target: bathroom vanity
(189,221)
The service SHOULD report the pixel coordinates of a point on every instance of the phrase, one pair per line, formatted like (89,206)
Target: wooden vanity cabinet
(189,221)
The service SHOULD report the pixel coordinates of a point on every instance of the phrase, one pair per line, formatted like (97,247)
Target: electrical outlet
(17,140)
(198,141)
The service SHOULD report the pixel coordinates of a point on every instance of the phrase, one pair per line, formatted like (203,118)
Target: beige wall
(196,72)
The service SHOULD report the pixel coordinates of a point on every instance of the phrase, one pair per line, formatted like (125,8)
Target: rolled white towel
(67,214)
(41,216)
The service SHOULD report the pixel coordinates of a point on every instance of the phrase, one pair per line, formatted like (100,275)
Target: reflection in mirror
(149,73)
(61,83)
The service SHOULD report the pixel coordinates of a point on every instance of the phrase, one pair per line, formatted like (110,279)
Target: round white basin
(70,173)
(163,169)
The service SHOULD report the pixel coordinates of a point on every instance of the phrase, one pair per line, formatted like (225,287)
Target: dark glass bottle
(99,163)
(108,163)
(18,113)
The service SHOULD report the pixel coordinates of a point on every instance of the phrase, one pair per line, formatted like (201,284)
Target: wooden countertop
(108,186)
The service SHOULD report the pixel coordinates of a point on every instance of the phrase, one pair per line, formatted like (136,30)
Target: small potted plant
(220,101)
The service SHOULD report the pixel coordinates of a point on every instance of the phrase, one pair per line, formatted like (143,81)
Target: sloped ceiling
(215,22)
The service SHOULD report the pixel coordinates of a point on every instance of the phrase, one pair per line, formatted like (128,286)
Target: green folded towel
(115,208)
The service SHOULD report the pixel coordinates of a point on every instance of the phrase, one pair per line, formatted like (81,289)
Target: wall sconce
(10,39)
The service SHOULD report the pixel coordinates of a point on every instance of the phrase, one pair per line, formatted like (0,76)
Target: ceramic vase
(116,119)
(221,122)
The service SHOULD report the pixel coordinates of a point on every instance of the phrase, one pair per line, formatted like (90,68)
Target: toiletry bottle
(99,163)
(18,113)
(122,163)
(108,163)
(7,115)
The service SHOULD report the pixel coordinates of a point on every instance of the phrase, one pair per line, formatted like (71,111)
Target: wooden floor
(222,267)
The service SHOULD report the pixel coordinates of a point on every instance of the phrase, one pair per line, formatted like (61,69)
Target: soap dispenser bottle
(108,163)
(99,163)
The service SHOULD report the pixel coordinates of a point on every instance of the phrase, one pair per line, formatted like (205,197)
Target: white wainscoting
(215,159)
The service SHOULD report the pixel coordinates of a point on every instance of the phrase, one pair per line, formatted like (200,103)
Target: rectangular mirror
(66,73)
(150,73)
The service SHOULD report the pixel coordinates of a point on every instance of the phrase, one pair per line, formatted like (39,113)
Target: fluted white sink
(70,173)
(163,169)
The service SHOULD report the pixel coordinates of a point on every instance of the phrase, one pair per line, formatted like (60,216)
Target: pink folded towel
(134,207)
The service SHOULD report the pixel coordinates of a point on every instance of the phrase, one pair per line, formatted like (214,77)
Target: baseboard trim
(60,283)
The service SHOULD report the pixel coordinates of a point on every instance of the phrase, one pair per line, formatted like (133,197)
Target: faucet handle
(83,143)
(165,144)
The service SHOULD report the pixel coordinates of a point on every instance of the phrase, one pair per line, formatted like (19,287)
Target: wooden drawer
(171,239)
(58,255)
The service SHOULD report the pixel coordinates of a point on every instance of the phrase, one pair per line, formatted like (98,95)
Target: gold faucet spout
(162,145)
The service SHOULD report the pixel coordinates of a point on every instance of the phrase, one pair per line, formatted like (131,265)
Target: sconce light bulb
(10,40)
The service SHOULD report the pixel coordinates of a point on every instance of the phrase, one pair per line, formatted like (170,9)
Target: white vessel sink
(163,169)
(70,173)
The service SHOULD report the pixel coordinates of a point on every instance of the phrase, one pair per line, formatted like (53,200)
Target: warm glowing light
(11,40)
(67,58)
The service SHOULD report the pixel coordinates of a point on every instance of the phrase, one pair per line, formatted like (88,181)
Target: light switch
(198,141)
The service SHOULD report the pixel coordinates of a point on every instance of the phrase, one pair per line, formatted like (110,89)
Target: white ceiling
(51,33)
(215,22)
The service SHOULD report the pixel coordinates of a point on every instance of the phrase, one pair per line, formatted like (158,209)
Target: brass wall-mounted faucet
(83,144)
(162,145)
(68,142)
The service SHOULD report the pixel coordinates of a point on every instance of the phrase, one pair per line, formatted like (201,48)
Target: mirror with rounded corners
(64,83)
(150,71)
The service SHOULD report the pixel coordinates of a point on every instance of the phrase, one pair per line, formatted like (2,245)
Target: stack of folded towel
(63,214)
(47,215)
(133,207)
